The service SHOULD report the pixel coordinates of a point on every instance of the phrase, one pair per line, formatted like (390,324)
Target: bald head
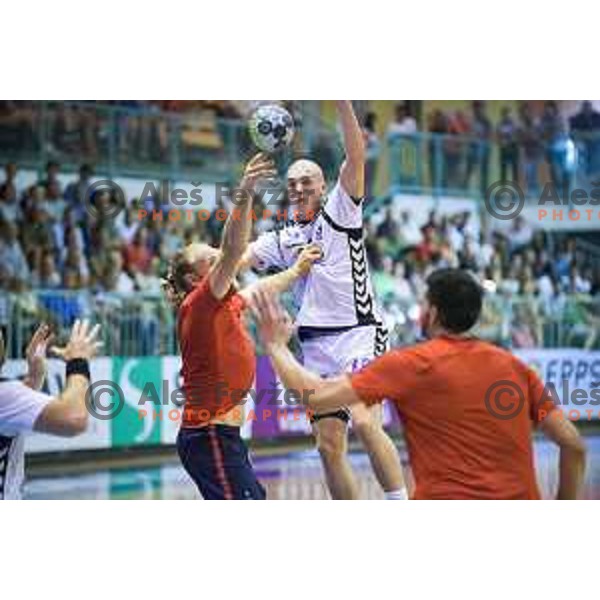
(305,168)
(306,188)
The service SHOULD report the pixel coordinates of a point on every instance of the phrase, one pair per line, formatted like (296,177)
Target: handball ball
(271,128)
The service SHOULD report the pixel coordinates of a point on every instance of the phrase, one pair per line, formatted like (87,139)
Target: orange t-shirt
(468,432)
(217,353)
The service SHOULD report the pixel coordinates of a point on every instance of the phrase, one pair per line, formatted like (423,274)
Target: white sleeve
(20,406)
(266,252)
(343,209)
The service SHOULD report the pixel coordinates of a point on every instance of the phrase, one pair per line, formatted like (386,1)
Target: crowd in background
(49,242)
(460,148)
(539,293)
(124,130)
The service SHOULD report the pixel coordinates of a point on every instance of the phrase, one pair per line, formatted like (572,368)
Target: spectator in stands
(565,258)
(523,328)
(520,234)
(9,207)
(478,154)
(575,283)
(468,257)
(383,279)
(507,136)
(402,288)
(428,247)
(455,148)
(585,126)
(9,185)
(438,127)
(115,278)
(409,231)
(128,223)
(38,231)
(45,275)
(12,259)
(52,172)
(138,257)
(75,192)
(67,233)
(75,262)
(530,144)
(403,124)
(552,130)
(54,204)
(389,227)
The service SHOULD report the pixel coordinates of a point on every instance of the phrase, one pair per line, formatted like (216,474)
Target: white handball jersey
(20,406)
(338,291)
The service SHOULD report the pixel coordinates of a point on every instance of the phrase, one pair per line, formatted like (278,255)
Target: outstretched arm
(67,414)
(236,233)
(281,282)
(275,329)
(352,173)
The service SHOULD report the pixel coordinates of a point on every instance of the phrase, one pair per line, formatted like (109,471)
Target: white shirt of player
(20,406)
(338,291)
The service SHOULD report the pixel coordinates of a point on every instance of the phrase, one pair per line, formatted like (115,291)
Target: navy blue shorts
(216,458)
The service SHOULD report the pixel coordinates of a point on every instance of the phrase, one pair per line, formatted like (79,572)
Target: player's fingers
(273,307)
(56,351)
(263,305)
(75,329)
(93,334)
(260,156)
(262,170)
(85,327)
(48,334)
(48,340)
(96,347)
(38,336)
(257,306)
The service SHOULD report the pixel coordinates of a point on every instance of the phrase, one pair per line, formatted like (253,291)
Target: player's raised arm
(280,282)
(67,414)
(236,233)
(352,173)
(276,328)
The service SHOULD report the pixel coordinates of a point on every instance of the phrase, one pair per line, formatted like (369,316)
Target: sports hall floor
(287,476)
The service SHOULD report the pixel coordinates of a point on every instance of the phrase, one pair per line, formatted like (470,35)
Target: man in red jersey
(468,408)
(218,356)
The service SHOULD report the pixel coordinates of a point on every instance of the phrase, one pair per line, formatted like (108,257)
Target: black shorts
(216,458)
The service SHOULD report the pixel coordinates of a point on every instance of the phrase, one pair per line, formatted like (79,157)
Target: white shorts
(345,352)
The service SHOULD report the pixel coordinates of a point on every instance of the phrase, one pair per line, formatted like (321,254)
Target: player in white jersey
(339,326)
(23,409)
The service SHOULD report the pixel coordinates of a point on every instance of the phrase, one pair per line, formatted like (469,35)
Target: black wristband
(78,366)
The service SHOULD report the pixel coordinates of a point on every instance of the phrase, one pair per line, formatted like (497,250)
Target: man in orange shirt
(217,353)
(468,408)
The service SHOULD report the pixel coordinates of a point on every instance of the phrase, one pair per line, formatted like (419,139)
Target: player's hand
(36,355)
(274,323)
(83,343)
(307,257)
(261,166)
